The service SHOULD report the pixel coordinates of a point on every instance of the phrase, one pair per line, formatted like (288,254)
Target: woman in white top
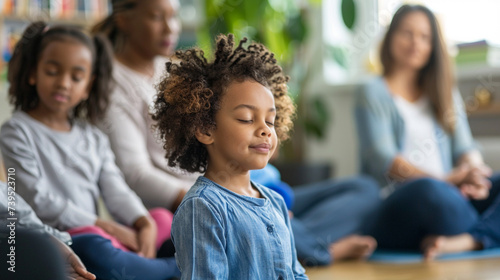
(415,140)
(142,32)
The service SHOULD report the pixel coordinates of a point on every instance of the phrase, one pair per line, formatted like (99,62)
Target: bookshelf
(474,81)
(16,15)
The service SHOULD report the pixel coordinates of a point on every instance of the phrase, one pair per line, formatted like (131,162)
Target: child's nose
(265,131)
(64,81)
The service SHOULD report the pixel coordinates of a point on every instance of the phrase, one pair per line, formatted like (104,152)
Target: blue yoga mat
(414,257)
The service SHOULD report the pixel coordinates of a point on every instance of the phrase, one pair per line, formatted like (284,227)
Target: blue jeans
(327,211)
(427,206)
(108,262)
(487,229)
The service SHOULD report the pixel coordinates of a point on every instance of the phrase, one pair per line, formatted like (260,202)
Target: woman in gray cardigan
(415,140)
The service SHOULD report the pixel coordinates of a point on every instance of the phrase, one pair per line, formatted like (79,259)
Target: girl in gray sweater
(59,80)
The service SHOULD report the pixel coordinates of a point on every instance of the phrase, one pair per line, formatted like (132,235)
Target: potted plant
(282,26)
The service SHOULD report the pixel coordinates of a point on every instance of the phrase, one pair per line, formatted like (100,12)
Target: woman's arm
(468,179)
(127,130)
(474,159)
(376,135)
(123,204)
(401,170)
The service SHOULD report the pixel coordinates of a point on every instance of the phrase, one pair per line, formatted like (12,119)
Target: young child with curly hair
(224,118)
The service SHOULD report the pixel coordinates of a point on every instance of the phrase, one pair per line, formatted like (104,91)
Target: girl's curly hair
(190,95)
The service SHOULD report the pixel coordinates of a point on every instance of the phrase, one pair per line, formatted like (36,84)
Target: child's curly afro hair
(190,95)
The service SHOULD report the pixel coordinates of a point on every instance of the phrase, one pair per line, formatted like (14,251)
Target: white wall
(340,144)
(339,147)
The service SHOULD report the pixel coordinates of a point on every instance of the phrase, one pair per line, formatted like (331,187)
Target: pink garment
(161,216)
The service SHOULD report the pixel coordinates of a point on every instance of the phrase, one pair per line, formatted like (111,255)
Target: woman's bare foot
(353,247)
(434,245)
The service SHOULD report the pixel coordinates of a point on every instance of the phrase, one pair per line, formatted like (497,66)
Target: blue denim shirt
(219,234)
(381,131)
(270,177)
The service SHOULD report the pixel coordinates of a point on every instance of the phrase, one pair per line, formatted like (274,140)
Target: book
(479,52)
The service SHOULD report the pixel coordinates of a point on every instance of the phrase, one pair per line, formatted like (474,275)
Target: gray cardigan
(381,131)
(62,174)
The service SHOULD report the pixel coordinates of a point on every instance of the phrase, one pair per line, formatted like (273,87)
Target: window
(351,54)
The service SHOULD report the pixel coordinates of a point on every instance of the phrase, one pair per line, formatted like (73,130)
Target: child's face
(153,28)
(63,74)
(244,138)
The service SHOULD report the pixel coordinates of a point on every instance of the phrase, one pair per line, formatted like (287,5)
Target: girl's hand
(146,236)
(125,235)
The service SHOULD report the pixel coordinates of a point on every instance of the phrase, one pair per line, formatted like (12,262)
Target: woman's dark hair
(24,61)
(108,25)
(190,96)
(435,78)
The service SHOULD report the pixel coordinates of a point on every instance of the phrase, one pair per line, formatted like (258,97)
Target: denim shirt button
(280,277)
(270,228)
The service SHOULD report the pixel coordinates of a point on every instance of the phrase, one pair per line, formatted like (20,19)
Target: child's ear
(89,87)
(205,137)
(32,80)
(121,22)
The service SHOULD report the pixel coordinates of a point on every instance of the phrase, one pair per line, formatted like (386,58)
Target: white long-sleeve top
(13,206)
(139,152)
(62,174)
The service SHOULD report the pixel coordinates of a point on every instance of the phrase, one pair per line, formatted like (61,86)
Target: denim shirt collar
(260,202)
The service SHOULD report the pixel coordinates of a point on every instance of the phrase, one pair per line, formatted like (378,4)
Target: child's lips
(167,43)
(262,148)
(60,97)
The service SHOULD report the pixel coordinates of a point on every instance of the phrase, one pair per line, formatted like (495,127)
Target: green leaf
(348,13)
(296,28)
(317,118)
(339,55)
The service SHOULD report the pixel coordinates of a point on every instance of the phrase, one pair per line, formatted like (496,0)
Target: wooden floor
(485,269)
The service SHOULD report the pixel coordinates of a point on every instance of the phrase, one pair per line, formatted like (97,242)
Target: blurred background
(328,47)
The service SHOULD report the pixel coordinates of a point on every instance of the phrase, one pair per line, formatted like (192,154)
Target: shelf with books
(16,15)
(475,59)
(55,9)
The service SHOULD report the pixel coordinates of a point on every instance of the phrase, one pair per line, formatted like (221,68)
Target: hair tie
(45,29)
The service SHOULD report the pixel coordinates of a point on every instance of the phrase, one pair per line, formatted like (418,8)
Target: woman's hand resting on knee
(124,234)
(472,182)
(475,185)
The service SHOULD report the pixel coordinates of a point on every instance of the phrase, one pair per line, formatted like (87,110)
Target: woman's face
(411,44)
(152,27)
